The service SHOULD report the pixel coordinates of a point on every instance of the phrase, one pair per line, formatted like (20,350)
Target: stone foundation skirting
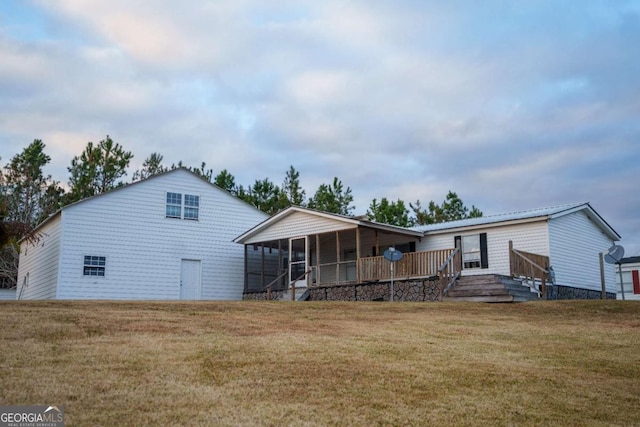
(559,292)
(261,296)
(405,290)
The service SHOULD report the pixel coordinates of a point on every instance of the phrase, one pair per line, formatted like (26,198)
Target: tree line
(28,196)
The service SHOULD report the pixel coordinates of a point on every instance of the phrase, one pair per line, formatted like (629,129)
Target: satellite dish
(615,254)
(393,255)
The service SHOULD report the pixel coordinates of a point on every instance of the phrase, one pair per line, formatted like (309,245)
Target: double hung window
(181,206)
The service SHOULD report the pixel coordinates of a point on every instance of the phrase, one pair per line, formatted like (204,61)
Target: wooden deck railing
(270,285)
(412,264)
(450,271)
(529,266)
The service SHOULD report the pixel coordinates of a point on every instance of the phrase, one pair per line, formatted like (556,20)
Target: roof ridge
(523,211)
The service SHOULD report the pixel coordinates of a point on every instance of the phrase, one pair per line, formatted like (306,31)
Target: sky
(513,105)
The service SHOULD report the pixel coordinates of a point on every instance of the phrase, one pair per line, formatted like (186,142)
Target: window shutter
(636,281)
(484,258)
(457,243)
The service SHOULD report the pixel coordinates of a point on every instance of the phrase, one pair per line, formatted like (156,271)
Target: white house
(572,236)
(337,250)
(167,237)
(630,267)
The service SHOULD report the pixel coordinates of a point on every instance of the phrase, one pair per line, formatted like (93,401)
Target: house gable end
(298,223)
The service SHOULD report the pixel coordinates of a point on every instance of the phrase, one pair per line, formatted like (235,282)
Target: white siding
(530,237)
(39,263)
(7,294)
(299,224)
(144,249)
(627,281)
(575,242)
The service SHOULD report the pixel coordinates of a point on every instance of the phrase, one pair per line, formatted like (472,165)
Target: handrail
(293,288)
(452,265)
(533,272)
(268,287)
(524,257)
(448,260)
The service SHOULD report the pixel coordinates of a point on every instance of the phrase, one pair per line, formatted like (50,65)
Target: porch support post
(337,257)
(307,257)
(246,269)
(377,244)
(511,260)
(279,269)
(318,259)
(357,254)
(262,265)
(603,282)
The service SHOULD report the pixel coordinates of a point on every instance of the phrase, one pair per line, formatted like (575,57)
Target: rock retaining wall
(565,292)
(262,296)
(409,290)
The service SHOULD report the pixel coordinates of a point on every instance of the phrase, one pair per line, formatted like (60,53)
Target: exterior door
(298,261)
(190,279)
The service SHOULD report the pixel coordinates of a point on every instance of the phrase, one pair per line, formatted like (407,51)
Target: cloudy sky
(513,105)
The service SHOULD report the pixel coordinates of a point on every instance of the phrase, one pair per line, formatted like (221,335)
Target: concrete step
(302,294)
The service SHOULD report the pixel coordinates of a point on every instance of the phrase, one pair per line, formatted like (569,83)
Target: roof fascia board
(355,222)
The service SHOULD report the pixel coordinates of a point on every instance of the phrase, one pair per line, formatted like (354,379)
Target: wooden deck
(413,264)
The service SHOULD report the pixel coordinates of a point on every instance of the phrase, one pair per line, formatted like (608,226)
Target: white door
(190,279)
(298,261)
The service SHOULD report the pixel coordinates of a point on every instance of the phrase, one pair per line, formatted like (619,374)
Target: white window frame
(172,203)
(94,264)
(471,257)
(182,206)
(191,207)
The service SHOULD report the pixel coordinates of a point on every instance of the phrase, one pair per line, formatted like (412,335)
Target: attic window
(174,205)
(191,206)
(94,265)
(190,209)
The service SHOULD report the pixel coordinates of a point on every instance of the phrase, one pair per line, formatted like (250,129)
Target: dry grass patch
(253,363)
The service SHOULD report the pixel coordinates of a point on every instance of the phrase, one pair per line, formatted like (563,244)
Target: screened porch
(337,257)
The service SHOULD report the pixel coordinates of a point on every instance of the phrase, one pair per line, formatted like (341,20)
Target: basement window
(94,265)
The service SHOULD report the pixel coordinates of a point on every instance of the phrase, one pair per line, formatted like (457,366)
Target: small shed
(630,267)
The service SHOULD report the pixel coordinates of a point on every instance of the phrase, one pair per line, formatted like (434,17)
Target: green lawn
(321,363)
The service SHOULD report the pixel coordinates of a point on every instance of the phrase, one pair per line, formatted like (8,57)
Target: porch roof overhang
(342,222)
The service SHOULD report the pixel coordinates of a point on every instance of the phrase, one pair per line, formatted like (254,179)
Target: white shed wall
(530,237)
(39,263)
(7,294)
(575,243)
(627,279)
(144,249)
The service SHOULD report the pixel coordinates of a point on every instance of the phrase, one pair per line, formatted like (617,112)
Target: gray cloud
(513,106)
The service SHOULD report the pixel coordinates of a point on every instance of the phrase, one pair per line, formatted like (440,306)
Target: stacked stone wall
(405,290)
(558,292)
(262,296)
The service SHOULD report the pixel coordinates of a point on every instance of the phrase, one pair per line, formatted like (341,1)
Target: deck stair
(490,288)
(302,294)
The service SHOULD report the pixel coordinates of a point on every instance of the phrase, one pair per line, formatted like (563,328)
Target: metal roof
(356,221)
(532,214)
